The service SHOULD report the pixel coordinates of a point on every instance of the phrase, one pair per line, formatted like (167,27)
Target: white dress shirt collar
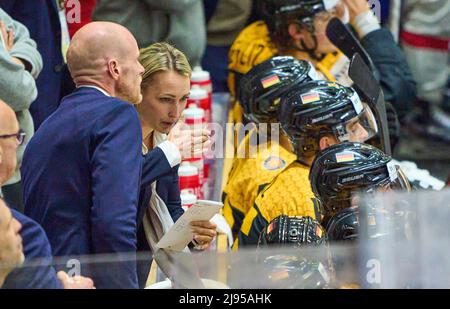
(95,87)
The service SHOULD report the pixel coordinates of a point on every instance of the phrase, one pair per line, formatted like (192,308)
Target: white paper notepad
(179,235)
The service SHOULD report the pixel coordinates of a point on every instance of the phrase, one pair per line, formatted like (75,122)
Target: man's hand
(357,7)
(204,233)
(192,143)
(8,39)
(75,283)
(8,36)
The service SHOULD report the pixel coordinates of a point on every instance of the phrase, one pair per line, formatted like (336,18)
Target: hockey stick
(368,87)
(361,72)
(343,38)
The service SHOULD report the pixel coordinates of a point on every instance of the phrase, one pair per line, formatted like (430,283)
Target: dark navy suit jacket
(40,274)
(42,21)
(81,177)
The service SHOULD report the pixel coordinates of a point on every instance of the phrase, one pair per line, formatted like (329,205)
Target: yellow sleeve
(251,47)
(254,223)
(289,194)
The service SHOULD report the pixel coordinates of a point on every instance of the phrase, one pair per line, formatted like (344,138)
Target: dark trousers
(13,196)
(215,61)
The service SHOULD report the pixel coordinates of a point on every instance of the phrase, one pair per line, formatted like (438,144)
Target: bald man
(81,170)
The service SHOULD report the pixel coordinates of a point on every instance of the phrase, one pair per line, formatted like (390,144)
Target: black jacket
(392,70)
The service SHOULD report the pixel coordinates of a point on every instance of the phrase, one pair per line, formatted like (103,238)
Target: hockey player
(296,269)
(313,116)
(345,169)
(336,175)
(297,28)
(260,157)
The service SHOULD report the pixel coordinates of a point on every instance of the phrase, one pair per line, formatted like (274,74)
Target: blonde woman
(165,89)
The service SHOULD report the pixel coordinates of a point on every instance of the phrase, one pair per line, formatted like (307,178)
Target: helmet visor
(360,128)
(399,181)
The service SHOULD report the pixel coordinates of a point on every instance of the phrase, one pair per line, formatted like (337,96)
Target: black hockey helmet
(320,108)
(296,231)
(278,14)
(347,168)
(344,226)
(275,9)
(290,269)
(287,271)
(261,89)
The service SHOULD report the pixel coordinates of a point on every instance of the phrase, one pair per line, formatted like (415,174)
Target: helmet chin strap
(310,51)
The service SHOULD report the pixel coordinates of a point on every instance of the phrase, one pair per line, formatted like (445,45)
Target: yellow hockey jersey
(253,46)
(256,167)
(288,194)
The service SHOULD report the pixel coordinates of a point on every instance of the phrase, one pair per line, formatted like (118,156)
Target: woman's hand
(204,233)
(192,143)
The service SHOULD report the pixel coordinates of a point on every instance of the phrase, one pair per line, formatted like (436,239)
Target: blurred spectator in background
(426,42)
(78,15)
(44,24)
(225,20)
(32,239)
(10,243)
(179,22)
(20,64)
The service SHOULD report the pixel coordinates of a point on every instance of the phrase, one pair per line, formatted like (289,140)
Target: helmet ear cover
(344,225)
(308,145)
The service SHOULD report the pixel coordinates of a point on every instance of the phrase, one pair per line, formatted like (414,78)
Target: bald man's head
(9,126)
(106,54)
(8,120)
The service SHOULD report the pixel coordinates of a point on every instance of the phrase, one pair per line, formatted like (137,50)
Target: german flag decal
(270,81)
(310,98)
(345,157)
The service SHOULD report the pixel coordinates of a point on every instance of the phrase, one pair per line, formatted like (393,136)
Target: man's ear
(295,32)
(114,69)
(326,142)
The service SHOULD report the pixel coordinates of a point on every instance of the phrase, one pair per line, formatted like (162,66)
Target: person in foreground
(82,169)
(22,240)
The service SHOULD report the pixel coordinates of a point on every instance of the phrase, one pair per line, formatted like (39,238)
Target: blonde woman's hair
(163,57)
